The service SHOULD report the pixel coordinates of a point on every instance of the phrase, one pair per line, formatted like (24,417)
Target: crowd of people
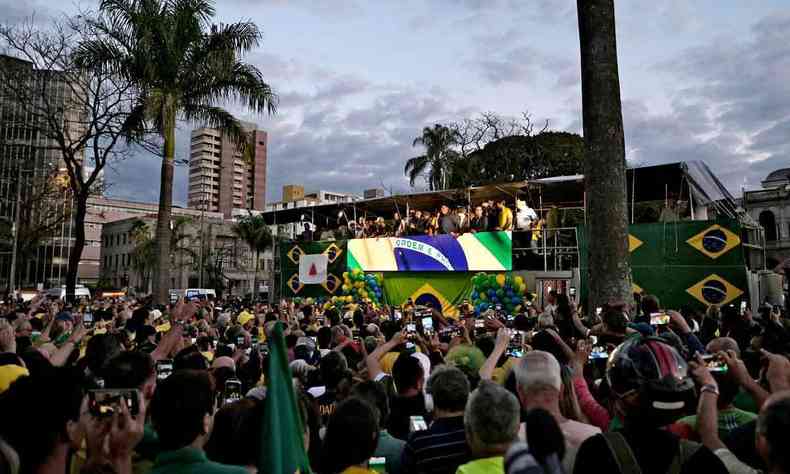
(127,386)
(488,216)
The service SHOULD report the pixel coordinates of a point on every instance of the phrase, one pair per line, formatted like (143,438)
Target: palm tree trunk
(79,244)
(255,278)
(604,164)
(162,268)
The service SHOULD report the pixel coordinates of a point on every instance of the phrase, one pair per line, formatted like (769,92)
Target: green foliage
(254,231)
(181,66)
(521,157)
(438,158)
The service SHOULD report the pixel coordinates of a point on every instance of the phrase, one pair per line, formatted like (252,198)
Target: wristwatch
(709,388)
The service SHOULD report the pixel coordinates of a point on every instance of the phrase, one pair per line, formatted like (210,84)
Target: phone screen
(427,323)
(743,307)
(87,319)
(411,328)
(515,347)
(417,423)
(232,391)
(164,368)
(397,315)
(659,319)
(598,311)
(103,403)
(479,323)
(598,352)
(714,363)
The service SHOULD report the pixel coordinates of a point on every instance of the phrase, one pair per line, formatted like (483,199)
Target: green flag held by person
(283,443)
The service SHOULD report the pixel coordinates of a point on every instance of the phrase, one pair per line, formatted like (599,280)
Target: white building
(770,207)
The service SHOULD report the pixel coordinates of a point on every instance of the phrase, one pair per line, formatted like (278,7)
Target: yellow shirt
(506,219)
(163,328)
(357,470)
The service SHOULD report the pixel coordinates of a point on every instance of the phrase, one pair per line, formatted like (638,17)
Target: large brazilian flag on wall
(442,289)
(291,252)
(685,263)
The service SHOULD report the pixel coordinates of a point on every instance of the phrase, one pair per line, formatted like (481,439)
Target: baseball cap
(244,318)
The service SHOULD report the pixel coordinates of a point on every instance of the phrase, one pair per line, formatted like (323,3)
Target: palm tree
(144,253)
(183,67)
(254,231)
(143,256)
(604,164)
(439,155)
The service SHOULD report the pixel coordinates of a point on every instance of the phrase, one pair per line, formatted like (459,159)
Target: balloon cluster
(491,290)
(359,287)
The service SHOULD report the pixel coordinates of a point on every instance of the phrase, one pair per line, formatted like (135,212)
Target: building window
(768,222)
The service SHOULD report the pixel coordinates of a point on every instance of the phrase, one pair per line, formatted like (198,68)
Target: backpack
(626,461)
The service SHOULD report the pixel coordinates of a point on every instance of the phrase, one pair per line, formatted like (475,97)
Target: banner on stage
(483,251)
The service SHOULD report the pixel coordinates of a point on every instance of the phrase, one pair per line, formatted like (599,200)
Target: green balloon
(500,293)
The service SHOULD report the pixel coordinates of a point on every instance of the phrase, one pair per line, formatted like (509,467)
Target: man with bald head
(539,385)
(723,344)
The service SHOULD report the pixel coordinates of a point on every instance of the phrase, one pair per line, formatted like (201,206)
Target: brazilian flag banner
(684,263)
(290,254)
(445,290)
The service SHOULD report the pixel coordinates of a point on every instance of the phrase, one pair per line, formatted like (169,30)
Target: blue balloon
(475,294)
(515,300)
(491,293)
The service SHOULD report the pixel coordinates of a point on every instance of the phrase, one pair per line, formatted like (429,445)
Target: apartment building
(221,178)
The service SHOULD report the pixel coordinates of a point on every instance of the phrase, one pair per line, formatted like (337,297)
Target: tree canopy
(491,148)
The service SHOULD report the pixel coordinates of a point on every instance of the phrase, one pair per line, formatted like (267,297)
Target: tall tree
(604,165)
(520,157)
(183,67)
(76,115)
(254,231)
(438,141)
(143,257)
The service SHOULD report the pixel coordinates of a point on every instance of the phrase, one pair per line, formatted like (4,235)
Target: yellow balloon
(518,280)
(500,280)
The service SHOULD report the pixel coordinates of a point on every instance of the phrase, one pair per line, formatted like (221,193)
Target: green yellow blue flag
(283,442)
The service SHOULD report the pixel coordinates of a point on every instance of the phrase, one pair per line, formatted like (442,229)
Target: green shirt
(391,449)
(728,420)
(744,401)
(495,465)
(190,460)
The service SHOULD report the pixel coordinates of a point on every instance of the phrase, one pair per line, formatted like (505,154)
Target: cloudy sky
(703,80)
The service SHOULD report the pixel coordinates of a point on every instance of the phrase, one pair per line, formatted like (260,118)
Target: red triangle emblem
(313,271)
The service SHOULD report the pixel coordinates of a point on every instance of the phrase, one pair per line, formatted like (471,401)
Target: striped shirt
(440,449)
